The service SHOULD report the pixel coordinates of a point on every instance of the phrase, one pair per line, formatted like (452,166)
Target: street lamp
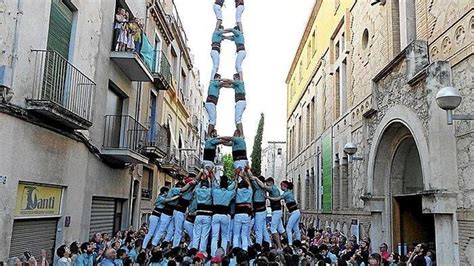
(350,148)
(449,98)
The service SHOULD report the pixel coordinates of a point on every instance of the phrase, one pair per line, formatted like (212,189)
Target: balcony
(62,95)
(174,163)
(132,66)
(162,76)
(124,140)
(194,164)
(157,145)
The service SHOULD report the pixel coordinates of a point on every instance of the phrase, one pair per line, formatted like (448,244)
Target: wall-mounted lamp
(448,99)
(350,148)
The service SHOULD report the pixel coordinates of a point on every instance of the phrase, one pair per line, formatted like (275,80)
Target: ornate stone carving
(460,35)
(446,45)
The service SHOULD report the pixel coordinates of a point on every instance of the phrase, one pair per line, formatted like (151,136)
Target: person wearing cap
(213,91)
(154,219)
(243,210)
(180,209)
(222,195)
(239,40)
(171,201)
(202,224)
(276,225)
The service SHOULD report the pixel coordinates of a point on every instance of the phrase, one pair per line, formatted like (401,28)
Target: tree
(228,166)
(256,155)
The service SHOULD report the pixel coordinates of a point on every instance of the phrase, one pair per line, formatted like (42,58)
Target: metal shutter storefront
(102,216)
(33,235)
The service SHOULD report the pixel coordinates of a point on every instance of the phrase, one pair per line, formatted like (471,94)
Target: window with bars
(147,184)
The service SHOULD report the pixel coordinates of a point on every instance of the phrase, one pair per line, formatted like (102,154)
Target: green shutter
(60,25)
(327,174)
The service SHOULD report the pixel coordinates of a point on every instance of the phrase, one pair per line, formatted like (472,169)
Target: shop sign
(35,200)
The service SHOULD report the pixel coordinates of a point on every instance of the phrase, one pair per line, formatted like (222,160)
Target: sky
(272,30)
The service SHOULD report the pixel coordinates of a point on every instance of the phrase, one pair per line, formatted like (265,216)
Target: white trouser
(251,227)
(260,226)
(231,230)
(293,226)
(239,59)
(188,227)
(220,225)
(240,164)
(164,226)
(215,55)
(241,231)
(153,223)
(201,230)
(178,218)
(277,224)
(266,233)
(211,110)
(218,11)
(239,111)
(238,13)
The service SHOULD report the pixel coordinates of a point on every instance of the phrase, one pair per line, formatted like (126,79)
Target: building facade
(90,129)
(274,160)
(369,75)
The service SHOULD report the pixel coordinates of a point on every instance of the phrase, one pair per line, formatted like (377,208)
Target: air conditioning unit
(5,77)
(374,2)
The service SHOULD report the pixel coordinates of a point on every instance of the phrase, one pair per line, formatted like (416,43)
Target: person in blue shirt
(243,210)
(259,207)
(166,216)
(202,224)
(216,40)
(154,219)
(110,256)
(276,225)
(239,151)
(180,209)
(239,40)
(222,195)
(293,225)
(87,255)
(210,148)
(213,91)
(240,101)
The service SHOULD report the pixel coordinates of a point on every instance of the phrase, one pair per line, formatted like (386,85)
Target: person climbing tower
(239,40)
(212,98)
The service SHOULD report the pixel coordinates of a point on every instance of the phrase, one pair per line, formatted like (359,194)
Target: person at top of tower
(239,40)
(213,90)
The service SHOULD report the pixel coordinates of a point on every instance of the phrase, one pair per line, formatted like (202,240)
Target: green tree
(228,166)
(256,155)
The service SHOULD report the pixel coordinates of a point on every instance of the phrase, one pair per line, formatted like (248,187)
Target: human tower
(223,209)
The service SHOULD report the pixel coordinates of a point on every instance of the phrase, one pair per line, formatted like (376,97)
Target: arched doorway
(398,178)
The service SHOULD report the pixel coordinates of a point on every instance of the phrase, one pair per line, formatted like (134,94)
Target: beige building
(89,134)
(368,74)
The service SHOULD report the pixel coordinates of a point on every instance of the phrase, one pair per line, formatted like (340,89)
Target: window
(147,184)
(337,50)
(300,134)
(313,40)
(157,52)
(337,89)
(60,28)
(299,192)
(340,74)
(300,70)
(175,62)
(279,151)
(309,52)
(307,191)
(308,124)
(313,119)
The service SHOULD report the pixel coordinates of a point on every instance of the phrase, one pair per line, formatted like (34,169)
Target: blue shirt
(239,87)
(212,143)
(238,144)
(84,260)
(214,88)
(193,206)
(203,195)
(259,193)
(222,196)
(173,192)
(244,195)
(288,196)
(238,37)
(107,262)
(118,262)
(188,195)
(274,191)
(217,36)
(160,202)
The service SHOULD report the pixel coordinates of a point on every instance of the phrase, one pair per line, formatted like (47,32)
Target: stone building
(274,160)
(369,74)
(89,133)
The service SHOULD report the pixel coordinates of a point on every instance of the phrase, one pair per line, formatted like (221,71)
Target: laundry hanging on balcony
(147,52)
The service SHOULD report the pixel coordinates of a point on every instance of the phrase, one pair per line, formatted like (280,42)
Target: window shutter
(60,24)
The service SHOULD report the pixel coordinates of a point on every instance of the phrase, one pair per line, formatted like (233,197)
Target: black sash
(239,155)
(209,154)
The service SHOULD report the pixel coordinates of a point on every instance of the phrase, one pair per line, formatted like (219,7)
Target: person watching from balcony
(118,25)
(212,98)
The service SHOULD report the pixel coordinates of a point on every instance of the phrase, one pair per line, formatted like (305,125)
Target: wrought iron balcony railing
(58,81)
(124,132)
